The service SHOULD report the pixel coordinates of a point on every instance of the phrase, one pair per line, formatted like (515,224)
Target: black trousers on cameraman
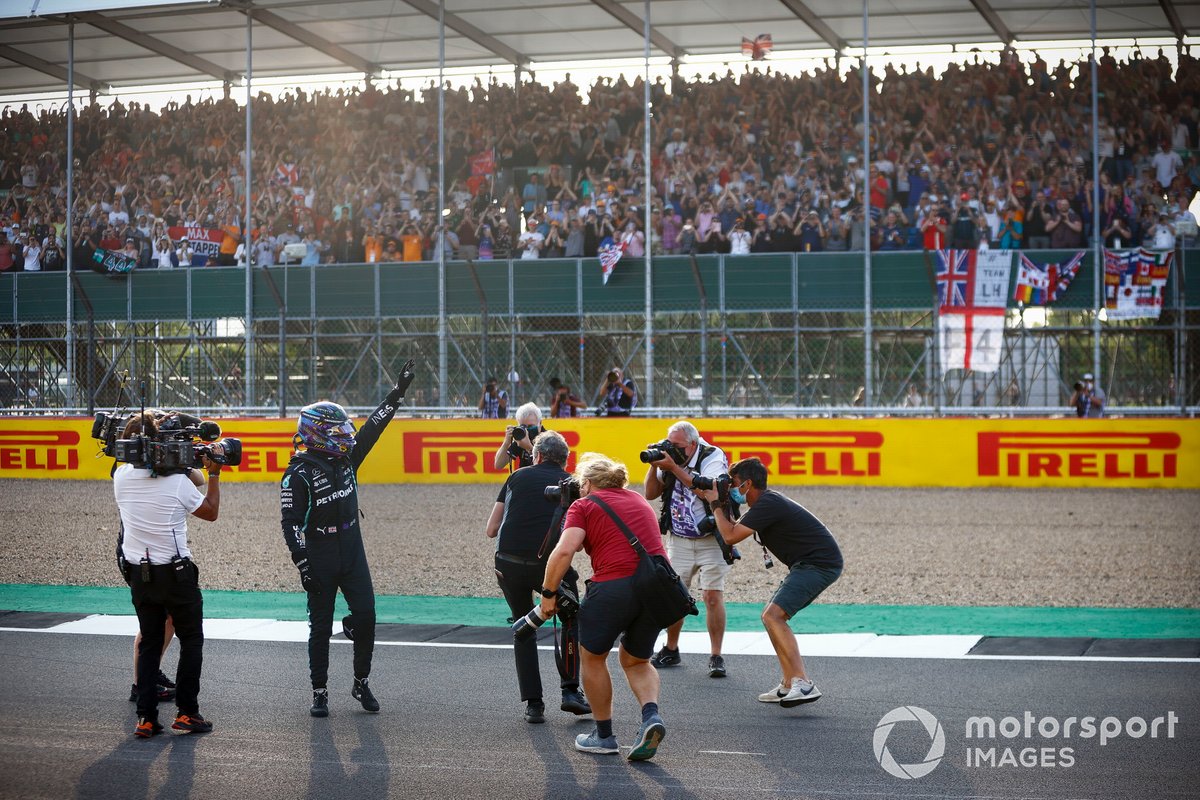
(173,589)
(521,580)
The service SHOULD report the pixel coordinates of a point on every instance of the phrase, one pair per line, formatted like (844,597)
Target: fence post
(703,334)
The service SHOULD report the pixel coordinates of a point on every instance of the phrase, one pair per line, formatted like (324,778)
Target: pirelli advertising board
(1162,453)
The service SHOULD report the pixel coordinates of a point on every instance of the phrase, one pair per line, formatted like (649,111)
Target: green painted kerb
(1128,623)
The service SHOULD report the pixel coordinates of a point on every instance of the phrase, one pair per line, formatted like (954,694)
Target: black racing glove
(307,579)
(404,380)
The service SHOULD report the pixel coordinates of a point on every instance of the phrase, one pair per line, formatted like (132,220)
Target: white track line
(822,645)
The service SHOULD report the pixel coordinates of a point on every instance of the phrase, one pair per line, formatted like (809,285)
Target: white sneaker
(773,696)
(801,692)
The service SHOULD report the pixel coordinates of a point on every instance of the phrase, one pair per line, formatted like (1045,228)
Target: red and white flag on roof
(758,47)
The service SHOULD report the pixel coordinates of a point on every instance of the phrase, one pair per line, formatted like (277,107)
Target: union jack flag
(954,268)
(287,174)
(758,47)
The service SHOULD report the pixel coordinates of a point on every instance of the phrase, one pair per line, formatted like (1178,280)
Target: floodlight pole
(648,382)
(248,372)
(868,336)
(443,383)
(70,239)
(1097,241)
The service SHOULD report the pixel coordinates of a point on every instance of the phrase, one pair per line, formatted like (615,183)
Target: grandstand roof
(163,42)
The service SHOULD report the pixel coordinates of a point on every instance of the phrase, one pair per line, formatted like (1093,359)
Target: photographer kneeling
(521,519)
(611,609)
(518,439)
(163,579)
(798,539)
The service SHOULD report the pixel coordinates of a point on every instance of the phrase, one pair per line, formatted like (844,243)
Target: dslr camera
(661,450)
(519,432)
(564,492)
(568,607)
(708,525)
(179,442)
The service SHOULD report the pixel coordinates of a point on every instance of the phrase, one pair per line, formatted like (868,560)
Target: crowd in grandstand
(758,162)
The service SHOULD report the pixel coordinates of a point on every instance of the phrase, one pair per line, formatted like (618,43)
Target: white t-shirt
(532,241)
(739,243)
(154,513)
(1163,237)
(33,258)
(164,259)
(1166,166)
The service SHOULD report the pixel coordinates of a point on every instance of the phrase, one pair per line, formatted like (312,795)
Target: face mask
(735,494)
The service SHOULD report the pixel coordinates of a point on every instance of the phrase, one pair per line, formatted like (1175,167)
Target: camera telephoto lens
(518,433)
(651,455)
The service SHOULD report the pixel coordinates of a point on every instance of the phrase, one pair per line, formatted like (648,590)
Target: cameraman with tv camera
(164,581)
(692,545)
(517,446)
(318,498)
(526,528)
(798,539)
(612,608)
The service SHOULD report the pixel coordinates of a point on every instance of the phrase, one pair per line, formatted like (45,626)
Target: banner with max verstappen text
(1064,452)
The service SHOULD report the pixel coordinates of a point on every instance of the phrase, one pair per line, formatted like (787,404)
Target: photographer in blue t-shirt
(799,540)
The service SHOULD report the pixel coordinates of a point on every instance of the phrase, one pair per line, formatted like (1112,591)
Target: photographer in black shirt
(799,540)
(520,521)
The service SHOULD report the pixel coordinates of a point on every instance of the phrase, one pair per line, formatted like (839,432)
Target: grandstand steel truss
(776,334)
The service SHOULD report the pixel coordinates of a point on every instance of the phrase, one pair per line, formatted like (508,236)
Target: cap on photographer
(1088,398)
(693,554)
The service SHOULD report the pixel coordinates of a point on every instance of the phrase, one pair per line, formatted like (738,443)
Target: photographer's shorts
(802,585)
(698,557)
(610,609)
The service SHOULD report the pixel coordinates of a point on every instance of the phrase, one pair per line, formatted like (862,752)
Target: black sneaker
(191,723)
(320,705)
(535,712)
(362,693)
(348,626)
(666,657)
(573,702)
(164,692)
(716,667)
(147,727)
(163,681)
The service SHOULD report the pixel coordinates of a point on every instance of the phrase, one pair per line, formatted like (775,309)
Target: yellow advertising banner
(1163,453)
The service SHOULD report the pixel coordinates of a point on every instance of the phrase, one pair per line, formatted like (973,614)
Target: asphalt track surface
(451,728)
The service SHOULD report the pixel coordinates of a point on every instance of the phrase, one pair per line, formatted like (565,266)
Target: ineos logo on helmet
(325,427)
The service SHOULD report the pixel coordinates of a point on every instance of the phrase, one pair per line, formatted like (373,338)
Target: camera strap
(552,533)
(566,649)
